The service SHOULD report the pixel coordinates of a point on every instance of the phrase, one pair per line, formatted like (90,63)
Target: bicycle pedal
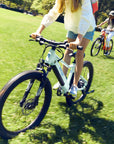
(59,91)
(69,96)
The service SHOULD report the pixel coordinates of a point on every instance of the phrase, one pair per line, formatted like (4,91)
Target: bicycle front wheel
(108,51)
(96,47)
(15,117)
(87,74)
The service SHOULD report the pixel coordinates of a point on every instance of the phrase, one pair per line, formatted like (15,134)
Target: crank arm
(90,92)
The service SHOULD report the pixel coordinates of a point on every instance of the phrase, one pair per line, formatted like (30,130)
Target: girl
(110,27)
(80,23)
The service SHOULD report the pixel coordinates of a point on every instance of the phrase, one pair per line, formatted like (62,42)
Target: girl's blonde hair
(75,4)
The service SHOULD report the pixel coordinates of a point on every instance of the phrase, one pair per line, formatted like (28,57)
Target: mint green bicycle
(25,99)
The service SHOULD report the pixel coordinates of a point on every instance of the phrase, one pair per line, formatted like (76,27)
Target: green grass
(92,121)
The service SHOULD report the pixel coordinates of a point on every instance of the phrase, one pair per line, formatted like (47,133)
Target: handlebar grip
(67,45)
(98,29)
(80,47)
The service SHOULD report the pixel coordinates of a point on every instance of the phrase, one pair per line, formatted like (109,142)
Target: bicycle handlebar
(64,44)
(98,29)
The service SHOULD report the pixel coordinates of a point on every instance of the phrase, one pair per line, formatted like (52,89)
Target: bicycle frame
(103,36)
(53,60)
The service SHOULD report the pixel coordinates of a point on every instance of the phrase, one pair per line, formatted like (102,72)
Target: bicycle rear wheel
(15,118)
(108,51)
(87,74)
(96,47)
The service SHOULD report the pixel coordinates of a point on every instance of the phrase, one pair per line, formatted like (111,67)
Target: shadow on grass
(83,120)
(108,57)
(2,141)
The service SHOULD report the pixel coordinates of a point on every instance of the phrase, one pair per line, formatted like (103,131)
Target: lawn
(90,122)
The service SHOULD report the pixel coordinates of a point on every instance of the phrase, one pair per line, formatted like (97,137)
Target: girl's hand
(38,32)
(73,45)
(111,29)
(34,35)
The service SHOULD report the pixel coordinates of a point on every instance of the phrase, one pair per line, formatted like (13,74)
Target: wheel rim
(81,93)
(16,118)
(96,47)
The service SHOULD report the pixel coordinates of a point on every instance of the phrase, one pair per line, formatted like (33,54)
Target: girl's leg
(67,57)
(110,35)
(79,61)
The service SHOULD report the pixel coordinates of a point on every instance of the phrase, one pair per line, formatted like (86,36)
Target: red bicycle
(100,43)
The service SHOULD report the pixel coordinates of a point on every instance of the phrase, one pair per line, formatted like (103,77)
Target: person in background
(110,27)
(80,24)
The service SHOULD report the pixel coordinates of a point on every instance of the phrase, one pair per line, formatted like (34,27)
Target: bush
(101,17)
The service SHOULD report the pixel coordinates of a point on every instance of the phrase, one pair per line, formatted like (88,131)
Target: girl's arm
(38,32)
(40,29)
(47,20)
(106,21)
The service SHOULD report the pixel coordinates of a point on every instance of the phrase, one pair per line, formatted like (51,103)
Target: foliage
(37,5)
(27,4)
(43,6)
(101,17)
(47,5)
(17,2)
(105,6)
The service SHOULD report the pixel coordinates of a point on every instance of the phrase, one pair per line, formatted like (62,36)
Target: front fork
(42,84)
(26,92)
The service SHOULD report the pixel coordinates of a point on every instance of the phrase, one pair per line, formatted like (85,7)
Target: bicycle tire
(96,47)
(15,119)
(107,52)
(87,67)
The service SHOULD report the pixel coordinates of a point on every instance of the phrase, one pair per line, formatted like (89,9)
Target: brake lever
(31,40)
(41,42)
(67,45)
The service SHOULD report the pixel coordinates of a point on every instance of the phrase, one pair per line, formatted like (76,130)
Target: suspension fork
(42,84)
(27,92)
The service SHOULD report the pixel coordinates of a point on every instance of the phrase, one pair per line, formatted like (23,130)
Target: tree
(27,4)
(36,5)
(42,6)
(17,2)
(47,5)
(105,6)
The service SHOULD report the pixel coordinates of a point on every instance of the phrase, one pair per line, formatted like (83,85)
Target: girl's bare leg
(67,57)
(79,59)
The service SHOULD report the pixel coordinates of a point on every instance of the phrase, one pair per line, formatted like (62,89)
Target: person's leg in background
(110,35)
